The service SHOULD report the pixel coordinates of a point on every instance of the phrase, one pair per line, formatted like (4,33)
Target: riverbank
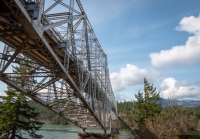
(51,131)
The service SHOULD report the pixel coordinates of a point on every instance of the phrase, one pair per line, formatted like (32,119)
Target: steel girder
(67,68)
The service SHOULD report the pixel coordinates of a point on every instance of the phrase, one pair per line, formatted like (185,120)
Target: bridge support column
(114,127)
(93,136)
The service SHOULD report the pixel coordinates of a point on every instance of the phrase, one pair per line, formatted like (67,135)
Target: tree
(16,116)
(140,119)
(148,103)
(152,100)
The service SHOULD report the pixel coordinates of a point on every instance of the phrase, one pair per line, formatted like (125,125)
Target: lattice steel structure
(62,64)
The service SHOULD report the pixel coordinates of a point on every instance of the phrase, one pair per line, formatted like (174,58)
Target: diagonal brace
(13,56)
(59,23)
(52,6)
(85,82)
(45,85)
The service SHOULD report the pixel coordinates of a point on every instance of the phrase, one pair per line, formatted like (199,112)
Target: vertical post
(4,56)
(41,9)
(70,24)
(55,91)
(66,57)
(87,46)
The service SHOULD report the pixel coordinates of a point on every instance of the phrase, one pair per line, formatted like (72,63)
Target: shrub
(187,136)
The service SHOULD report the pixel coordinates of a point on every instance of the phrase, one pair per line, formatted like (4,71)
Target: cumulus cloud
(131,75)
(190,24)
(171,88)
(187,54)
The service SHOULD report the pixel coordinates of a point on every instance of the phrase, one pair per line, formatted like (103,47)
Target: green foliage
(140,106)
(17,116)
(47,115)
(126,111)
(126,108)
(197,112)
(148,103)
(186,136)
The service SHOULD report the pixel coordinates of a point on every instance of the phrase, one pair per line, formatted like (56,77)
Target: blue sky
(132,30)
(159,40)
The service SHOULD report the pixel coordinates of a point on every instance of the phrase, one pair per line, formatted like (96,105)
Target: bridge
(61,63)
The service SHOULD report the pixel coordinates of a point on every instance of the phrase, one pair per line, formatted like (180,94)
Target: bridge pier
(93,136)
(114,127)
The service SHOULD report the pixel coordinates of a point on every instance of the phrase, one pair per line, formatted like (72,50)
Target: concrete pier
(94,136)
(114,127)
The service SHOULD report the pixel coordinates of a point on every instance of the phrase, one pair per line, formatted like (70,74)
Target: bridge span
(61,63)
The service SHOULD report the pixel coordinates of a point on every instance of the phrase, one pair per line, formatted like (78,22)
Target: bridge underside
(61,63)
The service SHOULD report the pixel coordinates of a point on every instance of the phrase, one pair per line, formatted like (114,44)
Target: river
(70,132)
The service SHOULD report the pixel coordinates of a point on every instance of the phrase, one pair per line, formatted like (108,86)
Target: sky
(153,39)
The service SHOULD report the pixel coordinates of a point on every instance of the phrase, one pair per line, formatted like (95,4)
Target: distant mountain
(187,103)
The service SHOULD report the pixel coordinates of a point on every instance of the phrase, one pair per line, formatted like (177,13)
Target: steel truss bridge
(60,62)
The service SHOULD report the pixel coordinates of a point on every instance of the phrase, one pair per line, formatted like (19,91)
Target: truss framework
(67,68)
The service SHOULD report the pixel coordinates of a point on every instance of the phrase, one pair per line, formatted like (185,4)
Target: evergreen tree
(140,109)
(152,100)
(148,103)
(17,117)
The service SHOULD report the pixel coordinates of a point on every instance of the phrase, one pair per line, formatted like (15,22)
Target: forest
(45,115)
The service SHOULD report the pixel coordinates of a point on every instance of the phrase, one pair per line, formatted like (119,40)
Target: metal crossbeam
(62,65)
(59,23)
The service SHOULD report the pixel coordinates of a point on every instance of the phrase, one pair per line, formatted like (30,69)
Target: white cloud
(190,24)
(2,94)
(121,97)
(171,88)
(187,54)
(131,75)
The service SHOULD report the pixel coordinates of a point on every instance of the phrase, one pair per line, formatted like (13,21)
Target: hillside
(172,120)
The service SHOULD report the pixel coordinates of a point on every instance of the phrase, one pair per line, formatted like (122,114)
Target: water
(70,132)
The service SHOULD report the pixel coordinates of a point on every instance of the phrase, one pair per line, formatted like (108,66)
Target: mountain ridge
(183,102)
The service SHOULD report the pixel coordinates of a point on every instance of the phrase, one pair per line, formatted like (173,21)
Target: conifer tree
(16,116)
(148,103)
(140,109)
(152,100)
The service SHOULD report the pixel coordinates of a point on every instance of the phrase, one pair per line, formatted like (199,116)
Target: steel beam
(59,23)
(42,86)
(13,56)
